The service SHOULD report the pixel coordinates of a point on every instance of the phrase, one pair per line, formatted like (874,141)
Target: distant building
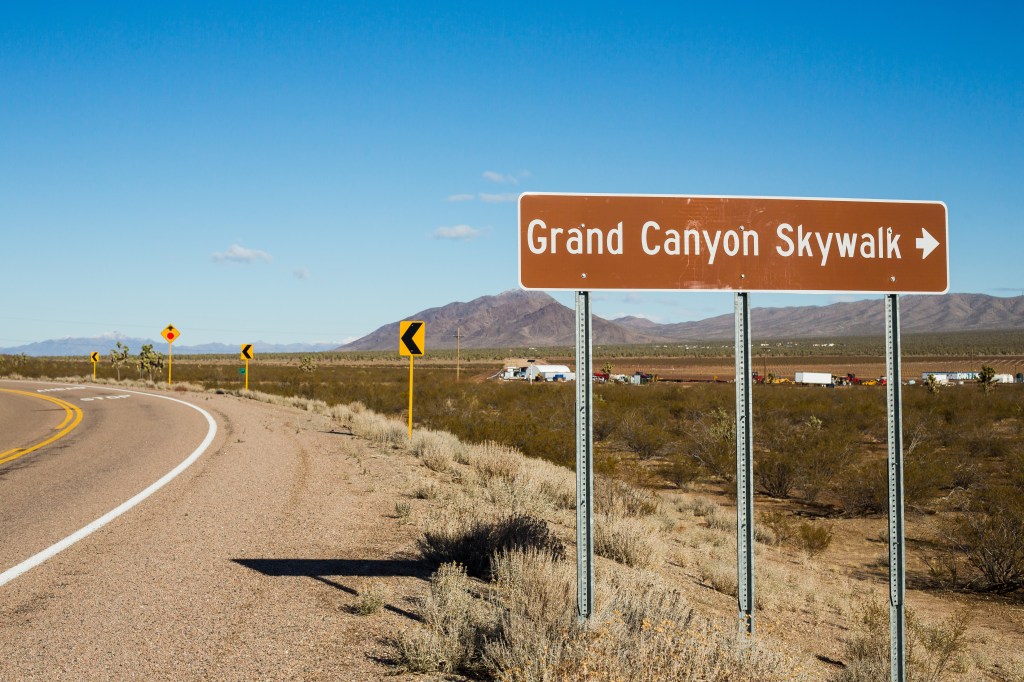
(946,377)
(549,373)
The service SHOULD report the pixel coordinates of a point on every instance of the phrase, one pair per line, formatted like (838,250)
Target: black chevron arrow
(247,351)
(408,340)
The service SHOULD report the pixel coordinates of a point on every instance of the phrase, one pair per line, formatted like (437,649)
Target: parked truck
(814,378)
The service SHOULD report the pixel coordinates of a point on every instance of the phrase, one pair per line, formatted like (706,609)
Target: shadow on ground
(323,570)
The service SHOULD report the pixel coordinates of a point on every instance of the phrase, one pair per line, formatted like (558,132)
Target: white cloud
(240,254)
(505,179)
(301,273)
(496,198)
(461,197)
(463,232)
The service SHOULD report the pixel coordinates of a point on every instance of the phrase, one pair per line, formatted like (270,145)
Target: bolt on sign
(599,242)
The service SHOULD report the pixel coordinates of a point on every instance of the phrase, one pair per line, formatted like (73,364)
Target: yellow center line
(72,418)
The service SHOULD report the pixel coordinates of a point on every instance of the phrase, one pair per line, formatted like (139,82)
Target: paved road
(244,567)
(69,454)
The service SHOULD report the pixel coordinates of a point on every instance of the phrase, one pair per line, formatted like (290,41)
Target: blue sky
(256,171)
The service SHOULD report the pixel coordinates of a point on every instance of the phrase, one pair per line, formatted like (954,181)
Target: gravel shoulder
(247,566)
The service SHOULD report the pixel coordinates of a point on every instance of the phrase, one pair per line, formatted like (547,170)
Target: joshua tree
(119,358)
(149,360)
(987,378)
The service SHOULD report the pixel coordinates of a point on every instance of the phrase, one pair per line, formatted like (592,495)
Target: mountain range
(524,319)
(520,319)
(103,344)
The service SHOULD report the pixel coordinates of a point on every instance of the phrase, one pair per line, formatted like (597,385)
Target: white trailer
(814,378)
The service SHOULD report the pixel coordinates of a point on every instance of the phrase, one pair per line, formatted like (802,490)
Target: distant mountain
(520,319)
(919,314)
(103,344)
(513,319)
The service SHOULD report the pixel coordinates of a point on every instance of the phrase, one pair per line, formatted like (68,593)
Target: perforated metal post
(584,460)
(744,473)
(897,579)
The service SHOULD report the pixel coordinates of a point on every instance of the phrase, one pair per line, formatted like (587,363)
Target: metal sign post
(584,460)
(412,335)
(897,578)
(744,473)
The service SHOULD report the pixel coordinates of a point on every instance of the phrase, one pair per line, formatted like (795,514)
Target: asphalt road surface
(245,566)
(69,454)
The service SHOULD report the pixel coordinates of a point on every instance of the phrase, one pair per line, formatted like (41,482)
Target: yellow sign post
(171,335)
(411,341)
(95,358)
(247,355)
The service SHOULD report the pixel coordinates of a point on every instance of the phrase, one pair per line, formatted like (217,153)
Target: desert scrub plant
(642,437)
(612,496)
(402,510)
(934,652)
(711,442)
(628,541)
(426,443)
(473,542)
(371,599)
(455,626)
(534,595)
(648,632)
(494,460)
(988,534)
(815,538)
(780,524)
(379,429)
(644,631)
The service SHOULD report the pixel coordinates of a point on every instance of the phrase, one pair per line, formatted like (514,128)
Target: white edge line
(55,549)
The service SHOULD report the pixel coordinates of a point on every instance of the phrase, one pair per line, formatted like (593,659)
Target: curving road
(70,454)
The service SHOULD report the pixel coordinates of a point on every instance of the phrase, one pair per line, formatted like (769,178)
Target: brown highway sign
(599,242)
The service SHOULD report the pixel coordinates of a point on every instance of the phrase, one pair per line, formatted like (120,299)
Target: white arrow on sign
(926,243)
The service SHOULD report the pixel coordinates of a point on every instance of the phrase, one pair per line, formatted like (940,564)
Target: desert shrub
(711,441)
(924,473)
(681,471)
(780,524)
(628,541)
(863,489)
(536,596)
(473,542)
(493,460)
(933,651)
(815,538)
(988,534)
(806,455)
(371,598)
(937,650)
(701,507)
(867,650)
(455,626)
(528,624)
(719,579)
(650,633)
(612,496)
(642,435)
(426,490)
